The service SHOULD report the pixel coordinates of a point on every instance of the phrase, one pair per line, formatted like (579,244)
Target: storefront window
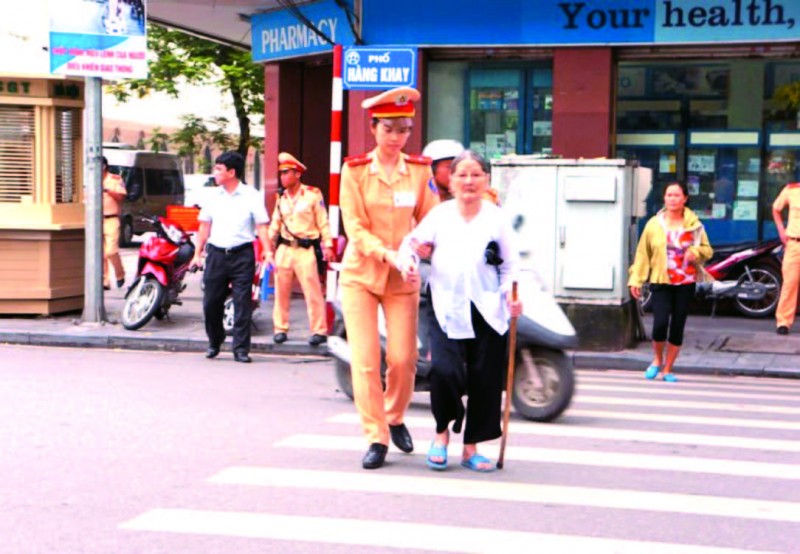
(17,131)
(711,125)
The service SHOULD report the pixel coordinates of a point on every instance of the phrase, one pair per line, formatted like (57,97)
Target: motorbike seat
(726,250)
(185,254)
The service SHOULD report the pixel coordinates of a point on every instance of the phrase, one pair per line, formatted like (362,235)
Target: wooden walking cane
(512,347)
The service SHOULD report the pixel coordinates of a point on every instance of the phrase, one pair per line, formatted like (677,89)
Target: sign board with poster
(104,39)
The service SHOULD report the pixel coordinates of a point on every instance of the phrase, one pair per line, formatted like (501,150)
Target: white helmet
(442,149)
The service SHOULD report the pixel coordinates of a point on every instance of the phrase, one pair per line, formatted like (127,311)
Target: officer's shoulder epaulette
(793,185)
(418,159)
(355,161)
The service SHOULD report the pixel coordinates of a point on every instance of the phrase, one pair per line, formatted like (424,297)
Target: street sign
(367,68)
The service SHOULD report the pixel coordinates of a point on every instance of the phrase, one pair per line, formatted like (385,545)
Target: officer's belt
(298,242)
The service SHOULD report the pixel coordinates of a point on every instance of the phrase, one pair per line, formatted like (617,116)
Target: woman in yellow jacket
(671,251)
(384,194)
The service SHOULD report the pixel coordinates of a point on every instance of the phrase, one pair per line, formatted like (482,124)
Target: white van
(153,181)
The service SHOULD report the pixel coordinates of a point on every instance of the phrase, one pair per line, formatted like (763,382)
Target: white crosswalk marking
(596,432)
(441,538)
(724,453)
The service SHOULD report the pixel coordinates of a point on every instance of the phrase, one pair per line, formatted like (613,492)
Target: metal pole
(335,170)
(93,309)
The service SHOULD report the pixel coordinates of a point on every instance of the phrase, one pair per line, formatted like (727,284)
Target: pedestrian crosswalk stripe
(715,466)
(496,490)
(592,432)
(387,534)
(761,384)
(692,420)
(679,391)
(686,404)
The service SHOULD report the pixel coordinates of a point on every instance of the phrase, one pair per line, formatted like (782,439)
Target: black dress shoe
(783,330)
(211,352)
(120,283)
(241,357)
(279,338)
(401,437)
(375,456)
(316,340)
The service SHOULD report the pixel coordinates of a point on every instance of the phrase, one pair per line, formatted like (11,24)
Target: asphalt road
(149,452)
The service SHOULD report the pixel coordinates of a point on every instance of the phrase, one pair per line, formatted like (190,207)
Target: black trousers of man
(474,367)
(229,270)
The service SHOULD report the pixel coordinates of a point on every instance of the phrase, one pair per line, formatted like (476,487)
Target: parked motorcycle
(164,260)
(261,268)
(749,273)
(543,378)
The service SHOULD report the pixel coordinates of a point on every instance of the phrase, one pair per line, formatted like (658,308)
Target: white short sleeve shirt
(233,216)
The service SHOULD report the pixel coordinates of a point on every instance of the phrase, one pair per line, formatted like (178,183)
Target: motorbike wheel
(770,276)
(142,303)
(543,383)
(228,315)
(126,232)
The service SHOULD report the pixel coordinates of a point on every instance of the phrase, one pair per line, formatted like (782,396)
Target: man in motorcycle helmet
(442,152)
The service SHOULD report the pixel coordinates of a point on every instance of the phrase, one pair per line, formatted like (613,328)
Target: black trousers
(670,309)
(474,367)
(224,272)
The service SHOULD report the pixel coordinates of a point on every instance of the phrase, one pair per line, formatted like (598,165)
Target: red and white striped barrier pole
(336,166)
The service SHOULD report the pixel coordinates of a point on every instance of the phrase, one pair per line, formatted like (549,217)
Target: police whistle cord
(512,350)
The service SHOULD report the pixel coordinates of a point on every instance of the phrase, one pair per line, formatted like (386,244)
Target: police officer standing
(113,194)
(229,222)
(300,226)
(384,193)
(790,236)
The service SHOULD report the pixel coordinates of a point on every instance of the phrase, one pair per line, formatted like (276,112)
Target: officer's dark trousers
(223,273)
(474,367)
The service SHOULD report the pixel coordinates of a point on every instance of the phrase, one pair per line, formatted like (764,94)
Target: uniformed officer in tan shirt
(113,194)
(383,194)
(298,221)
(790,236)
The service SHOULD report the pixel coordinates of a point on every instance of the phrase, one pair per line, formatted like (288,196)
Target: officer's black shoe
(241,357)
(401,437)
(279,338)
(211,352)
(316,340)
(375,456)
(783,330)
(120,283)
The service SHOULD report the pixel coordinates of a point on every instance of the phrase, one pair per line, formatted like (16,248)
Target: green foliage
(178,57)
(159,140)
(189,139)
(788,96)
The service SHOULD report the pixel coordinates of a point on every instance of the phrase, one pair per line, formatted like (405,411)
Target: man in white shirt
(229,222)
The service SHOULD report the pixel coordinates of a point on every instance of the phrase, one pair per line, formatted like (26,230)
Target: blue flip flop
(652,371)
(438,452)
(670,378)
(474,463)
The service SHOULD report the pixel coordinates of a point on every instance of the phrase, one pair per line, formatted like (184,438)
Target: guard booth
(41,197)
(575,221)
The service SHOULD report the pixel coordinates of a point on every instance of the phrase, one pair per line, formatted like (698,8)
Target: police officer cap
(286,161)
(398,102)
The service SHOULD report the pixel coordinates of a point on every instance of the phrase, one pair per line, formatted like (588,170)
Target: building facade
(689,88)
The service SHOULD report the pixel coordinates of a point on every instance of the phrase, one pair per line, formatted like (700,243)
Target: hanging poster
(701,163)
(747,188)
(745,210)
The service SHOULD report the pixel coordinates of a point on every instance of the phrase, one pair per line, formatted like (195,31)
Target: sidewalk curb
(631,360)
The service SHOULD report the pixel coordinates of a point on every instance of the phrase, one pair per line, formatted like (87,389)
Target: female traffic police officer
(299,224)
(384,193)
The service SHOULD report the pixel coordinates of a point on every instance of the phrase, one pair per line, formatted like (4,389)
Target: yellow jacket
(650,262)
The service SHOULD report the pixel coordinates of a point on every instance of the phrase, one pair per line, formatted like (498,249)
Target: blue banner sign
(366,68)
(560,22)
(281,34)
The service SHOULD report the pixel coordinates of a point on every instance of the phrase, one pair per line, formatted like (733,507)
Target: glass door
(510,111)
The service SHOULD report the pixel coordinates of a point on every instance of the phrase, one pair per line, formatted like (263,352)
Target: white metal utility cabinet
(575,224)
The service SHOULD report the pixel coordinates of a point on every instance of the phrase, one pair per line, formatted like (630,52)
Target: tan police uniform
(113,194)
(378,210)
(787,304)
(301,216)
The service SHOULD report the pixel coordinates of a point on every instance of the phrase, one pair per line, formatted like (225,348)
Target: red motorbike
(748,273)
(164,260)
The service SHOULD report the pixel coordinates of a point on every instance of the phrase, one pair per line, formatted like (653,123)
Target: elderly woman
(473,265)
